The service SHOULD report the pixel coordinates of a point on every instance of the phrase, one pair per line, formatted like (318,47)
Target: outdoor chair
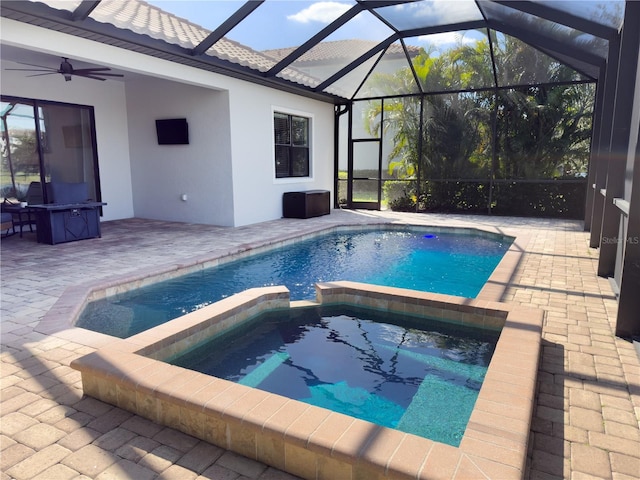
(20,216)
(23,216)
(6,224)
(34,193)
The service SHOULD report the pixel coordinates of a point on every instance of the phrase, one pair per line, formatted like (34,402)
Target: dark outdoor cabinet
(312,203)
(66,223)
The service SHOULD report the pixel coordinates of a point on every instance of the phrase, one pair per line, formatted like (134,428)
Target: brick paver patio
(585,424)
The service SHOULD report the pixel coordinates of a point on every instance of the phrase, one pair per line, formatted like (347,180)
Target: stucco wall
(227,170)
(256,191)
(201,170)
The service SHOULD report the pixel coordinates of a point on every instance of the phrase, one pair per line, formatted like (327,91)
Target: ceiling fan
(67,71)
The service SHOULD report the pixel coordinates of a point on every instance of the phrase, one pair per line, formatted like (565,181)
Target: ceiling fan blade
(41,74)
(92,77)
(106,74)
(87,71)
(91,69)
(94,73)
(35,65)
(44,69)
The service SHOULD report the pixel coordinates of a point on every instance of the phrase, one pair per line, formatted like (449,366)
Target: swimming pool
(419,376)
(424,259)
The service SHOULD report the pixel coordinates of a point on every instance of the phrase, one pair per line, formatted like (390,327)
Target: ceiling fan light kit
(67,71)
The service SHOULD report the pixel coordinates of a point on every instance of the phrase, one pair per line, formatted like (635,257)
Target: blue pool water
(448,263)
(415,375)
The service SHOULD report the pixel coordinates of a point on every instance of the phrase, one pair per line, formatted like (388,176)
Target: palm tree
(543,130)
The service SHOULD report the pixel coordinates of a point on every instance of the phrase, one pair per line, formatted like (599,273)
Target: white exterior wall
(163,173)
(227,170)
(257,193)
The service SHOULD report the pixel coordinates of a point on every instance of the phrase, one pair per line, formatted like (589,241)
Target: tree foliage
(543,130)
(540,128)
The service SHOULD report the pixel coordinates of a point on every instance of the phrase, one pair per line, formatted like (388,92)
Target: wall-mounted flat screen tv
(172,131)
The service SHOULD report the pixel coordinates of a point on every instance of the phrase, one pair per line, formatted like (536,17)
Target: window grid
(291,137)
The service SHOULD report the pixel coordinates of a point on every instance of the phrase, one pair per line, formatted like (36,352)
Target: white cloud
(447,39)
(323,12)
(440,12)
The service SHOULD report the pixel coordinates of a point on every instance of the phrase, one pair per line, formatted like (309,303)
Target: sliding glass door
(44,142)
(20,157)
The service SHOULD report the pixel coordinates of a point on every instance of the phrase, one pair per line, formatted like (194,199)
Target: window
(291,138)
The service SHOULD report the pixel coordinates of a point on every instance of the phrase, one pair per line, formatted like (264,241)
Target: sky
(289,23)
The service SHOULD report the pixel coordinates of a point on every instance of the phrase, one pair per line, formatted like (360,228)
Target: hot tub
(310,441)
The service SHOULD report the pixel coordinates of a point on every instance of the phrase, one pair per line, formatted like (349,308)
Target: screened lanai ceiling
(340,50)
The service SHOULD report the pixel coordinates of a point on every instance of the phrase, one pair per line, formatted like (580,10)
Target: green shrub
(557,199)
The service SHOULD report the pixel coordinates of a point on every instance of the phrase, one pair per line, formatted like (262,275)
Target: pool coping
(62,316)
(309,441)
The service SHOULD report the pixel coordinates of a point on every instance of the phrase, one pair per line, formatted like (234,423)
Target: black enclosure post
(494,148)
(628,320)
(350,156)
(336,154)
(594,157)
(419,159)
(608,88)
(620,135)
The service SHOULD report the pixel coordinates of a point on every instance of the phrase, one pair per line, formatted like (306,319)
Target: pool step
(467,370)
(439,411)
(255,378)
